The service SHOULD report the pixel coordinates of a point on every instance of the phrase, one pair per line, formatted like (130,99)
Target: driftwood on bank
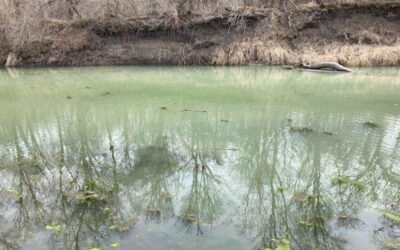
(325,67)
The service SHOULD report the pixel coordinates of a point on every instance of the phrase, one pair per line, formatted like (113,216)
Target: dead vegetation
(218,32)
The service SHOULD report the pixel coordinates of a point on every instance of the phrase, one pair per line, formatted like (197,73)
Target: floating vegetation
(114,245)
(12,194)
(305,223)
(123,226)
(87,87)
(54,228)
(69,97)
(342,216)
(390,215)
(94,248)
(327,133)
(106,93)
(301,129)
(370,124)
(317,221)
(163,108)
(391,244)
(282,244)
(344,180)
(222,120)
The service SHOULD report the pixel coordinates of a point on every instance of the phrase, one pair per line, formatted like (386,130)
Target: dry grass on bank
(271,53)
(22,19)
(355,55)
(276,53)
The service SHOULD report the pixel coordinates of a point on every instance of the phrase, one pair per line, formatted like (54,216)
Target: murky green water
(199,158)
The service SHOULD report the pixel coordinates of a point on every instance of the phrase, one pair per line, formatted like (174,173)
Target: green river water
(199,158)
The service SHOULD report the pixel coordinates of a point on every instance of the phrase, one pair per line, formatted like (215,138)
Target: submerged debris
(123,226)
(69,97)
(106,93)
(281,189)
(300,129)
(190,218)
(327,133)
(301,196)
(189,110)
(344,180)
(154,213)
(163,108)
(89,196)
(370,124)
(222,120)
(229,149)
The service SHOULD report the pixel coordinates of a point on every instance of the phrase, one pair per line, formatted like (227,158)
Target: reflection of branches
(203,203)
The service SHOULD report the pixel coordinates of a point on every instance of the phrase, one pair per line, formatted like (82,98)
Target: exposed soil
(354,35)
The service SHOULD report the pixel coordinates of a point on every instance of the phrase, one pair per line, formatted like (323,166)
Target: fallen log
(327,65)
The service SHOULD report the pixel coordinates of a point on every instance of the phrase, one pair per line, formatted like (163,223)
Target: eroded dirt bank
(353,35)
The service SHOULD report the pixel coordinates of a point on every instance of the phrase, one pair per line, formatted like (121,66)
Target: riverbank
(353,35)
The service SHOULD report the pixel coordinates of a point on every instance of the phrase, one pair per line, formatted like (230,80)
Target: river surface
(199,158)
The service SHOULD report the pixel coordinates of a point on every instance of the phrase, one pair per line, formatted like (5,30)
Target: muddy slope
(367,35)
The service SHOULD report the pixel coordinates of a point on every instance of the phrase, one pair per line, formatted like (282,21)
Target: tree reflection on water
(82,179)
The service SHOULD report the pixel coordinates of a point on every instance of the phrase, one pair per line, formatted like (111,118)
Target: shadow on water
(101,172)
